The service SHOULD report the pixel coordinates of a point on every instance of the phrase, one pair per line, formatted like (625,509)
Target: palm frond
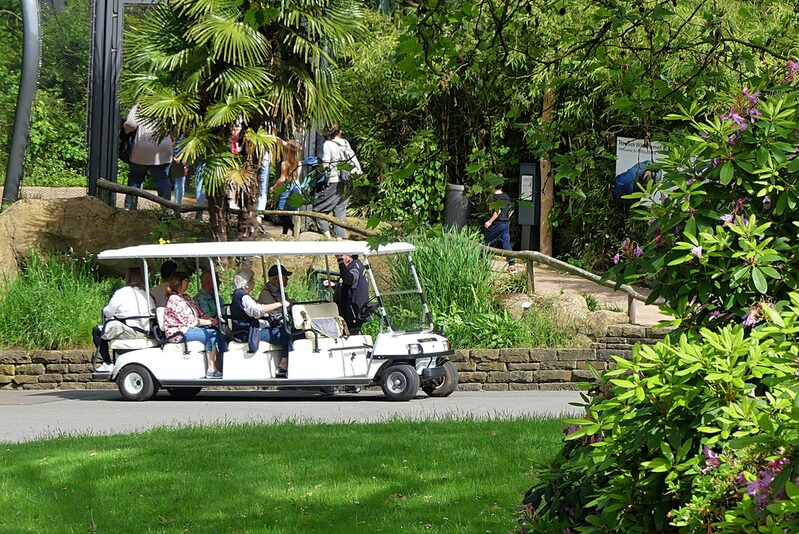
(230,40)
(259,141)
(237,80)
(234,108)
(200,143)
(170,109)
(198,8)
(217,169)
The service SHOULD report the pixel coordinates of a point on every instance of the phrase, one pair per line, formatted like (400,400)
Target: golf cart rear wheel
(443,387)
(136,383)
(183,393)
(400,382)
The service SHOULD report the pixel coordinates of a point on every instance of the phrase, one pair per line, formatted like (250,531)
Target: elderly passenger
(251,320)
(184,321)
(131,308)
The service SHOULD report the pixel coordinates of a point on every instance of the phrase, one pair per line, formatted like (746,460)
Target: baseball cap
(273,271)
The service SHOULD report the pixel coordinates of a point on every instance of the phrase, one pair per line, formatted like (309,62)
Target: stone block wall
(48,369)
(513,369)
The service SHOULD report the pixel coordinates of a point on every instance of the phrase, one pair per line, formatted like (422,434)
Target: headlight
(414,348)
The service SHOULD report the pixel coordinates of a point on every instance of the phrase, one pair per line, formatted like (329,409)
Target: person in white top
(132,310)
(151,154)
(334,196)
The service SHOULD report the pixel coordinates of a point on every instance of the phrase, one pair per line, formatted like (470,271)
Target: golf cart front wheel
(400,382)
(136,383)
(444,386)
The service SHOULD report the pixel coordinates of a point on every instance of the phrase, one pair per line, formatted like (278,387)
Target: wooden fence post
(631,308)
(547,180)
(530,277)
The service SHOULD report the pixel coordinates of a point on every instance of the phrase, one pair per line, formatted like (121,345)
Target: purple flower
(728,218)
(677,231)
(616,259)
(650,222)
(749,319)
(712,460)
(752,97)
(662,197)
(571,429)
(767,201)
(714,163)
(690,181)
(791,69)
(697,251)
(637,251)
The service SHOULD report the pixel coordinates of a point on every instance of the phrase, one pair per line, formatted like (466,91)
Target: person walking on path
(334,196)
(151,154)
(498,225)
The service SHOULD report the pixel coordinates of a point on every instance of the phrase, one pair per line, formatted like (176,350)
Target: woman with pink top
(184,321)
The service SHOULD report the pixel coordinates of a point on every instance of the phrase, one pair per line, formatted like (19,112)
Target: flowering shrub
(722,222)
(699,434)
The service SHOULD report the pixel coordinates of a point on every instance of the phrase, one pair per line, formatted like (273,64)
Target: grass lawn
(397,476)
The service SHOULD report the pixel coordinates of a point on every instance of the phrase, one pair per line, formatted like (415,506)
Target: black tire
(399,382)
(183,393)
(136,383)
(443,387)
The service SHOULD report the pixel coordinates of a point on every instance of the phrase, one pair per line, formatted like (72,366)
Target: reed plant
(52,304)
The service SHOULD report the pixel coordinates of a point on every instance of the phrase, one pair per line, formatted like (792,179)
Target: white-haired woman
(251,319)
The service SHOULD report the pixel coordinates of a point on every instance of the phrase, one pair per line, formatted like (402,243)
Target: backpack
(346,155)
(125,144)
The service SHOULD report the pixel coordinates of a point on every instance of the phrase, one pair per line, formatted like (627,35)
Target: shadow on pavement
(285,395)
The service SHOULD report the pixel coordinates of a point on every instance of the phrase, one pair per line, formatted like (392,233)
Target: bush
(53,304)
(722,227)
(696,435)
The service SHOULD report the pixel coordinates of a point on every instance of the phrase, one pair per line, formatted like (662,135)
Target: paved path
(29,415)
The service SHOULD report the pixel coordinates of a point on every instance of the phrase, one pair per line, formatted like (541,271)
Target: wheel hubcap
(397,382)
(134,383)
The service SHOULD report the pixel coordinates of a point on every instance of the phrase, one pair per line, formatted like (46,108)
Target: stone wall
(479,369)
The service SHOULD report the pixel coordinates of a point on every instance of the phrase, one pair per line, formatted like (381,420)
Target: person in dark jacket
(354,291)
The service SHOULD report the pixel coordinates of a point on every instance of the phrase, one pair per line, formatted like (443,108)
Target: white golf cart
(399,361)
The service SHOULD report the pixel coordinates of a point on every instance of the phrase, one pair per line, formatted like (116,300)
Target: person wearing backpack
(333,195)
(149,154)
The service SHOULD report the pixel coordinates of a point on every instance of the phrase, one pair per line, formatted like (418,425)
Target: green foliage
(461,291)
(54,303)
(698,434)
(721,232)
(513,283)
(57,153)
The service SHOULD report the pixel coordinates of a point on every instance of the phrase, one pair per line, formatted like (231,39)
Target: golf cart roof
(252,248)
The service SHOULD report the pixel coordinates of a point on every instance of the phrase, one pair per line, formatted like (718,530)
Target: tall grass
(453,270)
(461,290)
(53,304)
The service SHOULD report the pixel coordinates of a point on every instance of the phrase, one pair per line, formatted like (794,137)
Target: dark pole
(31,46)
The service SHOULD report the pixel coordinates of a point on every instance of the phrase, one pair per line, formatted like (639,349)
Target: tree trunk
(248,193)
(219,220)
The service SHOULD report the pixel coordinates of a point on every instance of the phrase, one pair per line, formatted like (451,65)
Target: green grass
(398,476)
(53,304)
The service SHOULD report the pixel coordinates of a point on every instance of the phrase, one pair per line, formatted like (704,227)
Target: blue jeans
(159,173)
(499,232)
(198,188)
(209,336)
(276,336)
(263,187)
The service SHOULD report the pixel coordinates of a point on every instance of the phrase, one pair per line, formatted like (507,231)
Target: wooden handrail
(181,208)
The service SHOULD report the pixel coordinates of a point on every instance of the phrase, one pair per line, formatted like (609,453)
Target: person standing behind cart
(251,320)
(498,225)
(184,321)
(149,153)
(353,293)
(334,196)
(288,182)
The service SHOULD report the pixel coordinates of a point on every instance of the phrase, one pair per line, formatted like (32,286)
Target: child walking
(498,225)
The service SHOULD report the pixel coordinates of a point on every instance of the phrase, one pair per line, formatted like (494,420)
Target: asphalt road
(30,415)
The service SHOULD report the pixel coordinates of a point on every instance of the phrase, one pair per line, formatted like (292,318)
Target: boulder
(596,323)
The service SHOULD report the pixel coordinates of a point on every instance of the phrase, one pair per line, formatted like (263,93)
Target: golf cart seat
(131,344)
(263,346)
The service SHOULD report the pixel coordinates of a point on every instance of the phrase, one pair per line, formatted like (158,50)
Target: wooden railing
(529,256)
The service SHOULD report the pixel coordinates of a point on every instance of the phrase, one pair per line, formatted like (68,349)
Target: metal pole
(31,55)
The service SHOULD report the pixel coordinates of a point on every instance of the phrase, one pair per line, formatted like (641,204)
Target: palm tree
(201,65)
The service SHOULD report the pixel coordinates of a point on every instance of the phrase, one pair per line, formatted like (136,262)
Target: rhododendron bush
(696,434)
(723,220)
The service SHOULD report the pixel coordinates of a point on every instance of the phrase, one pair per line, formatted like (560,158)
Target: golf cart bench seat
(263,346)
(131,344)
(301,313)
